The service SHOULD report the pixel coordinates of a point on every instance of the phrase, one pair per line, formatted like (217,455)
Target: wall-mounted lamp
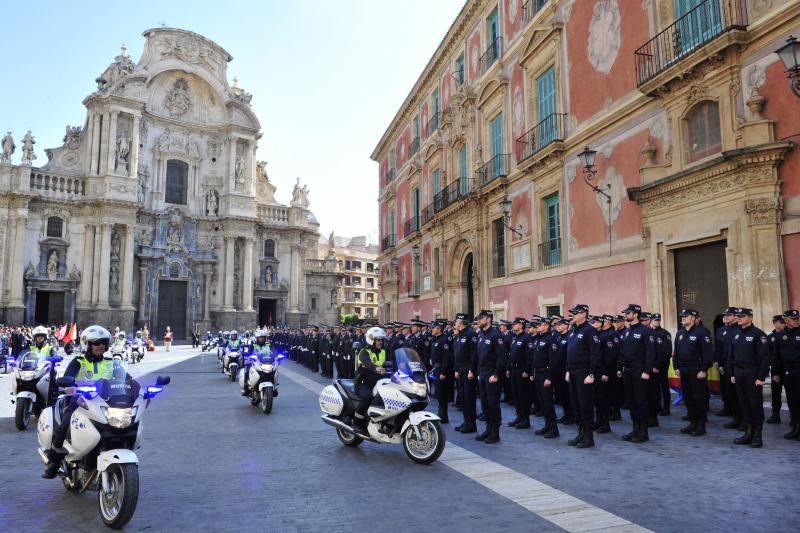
(587,157)
(505,209)
(790,55)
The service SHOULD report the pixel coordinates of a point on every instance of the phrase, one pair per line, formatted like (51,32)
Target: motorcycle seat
(348,386)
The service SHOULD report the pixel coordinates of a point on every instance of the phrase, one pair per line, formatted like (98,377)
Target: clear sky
(326,78)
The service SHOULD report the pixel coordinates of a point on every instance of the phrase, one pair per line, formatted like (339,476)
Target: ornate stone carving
(212,202)
(214,145)
(123,149)
(143,174)
(604,35)
(72,138)
(52,266)
(27,149)
(696,93)
(75,274)
(121,67)
(756,104)
(763,210)
(8,148)
(178,102)
(113,282)
(649,152)
(175,231)
(186,48)
(239,169)
(30,271)
(116,246)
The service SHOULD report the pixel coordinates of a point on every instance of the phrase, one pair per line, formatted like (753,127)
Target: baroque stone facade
(156,211)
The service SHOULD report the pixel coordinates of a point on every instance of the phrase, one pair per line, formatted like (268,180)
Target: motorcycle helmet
(139,334)
(375,333)
(39,330)
(121,335)
(94,334)
(260,333)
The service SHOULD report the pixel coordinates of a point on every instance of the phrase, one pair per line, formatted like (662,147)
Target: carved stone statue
(27,149)
(296,192)
(143,175)
(116,246)
(30,271)
(8,148)
(177,101)
(331,241)
(214,146)
(175,231)
(75,274)
(123,146)
(72,138)
(163,142)
(268,275)
(212,203)
(52,266)
(239,169)
(113,282)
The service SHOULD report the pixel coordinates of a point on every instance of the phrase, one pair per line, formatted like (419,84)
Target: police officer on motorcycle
(40,347)
(258,347)
(370,370)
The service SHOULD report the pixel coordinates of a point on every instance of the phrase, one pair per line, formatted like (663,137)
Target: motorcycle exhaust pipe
(338,424)
(43,455)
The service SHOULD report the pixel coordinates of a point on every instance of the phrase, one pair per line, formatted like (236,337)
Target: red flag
(69,337)
(61,332)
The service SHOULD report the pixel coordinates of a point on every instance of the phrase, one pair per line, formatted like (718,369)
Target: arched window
(269,248)
(177,182)
(55,227)
(703,130)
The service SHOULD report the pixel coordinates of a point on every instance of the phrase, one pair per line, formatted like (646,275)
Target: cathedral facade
(156,212)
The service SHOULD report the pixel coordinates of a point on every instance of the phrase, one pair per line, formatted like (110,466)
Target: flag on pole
(61,332)
(71,335)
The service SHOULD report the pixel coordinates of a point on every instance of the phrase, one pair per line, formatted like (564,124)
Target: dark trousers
(582,396)
(662,379)
(60,432)
(791,380)
(636,393)
(364,391)
(443,391)
(545,397)
(522,393)
(561,389)
(603,392)
(776,391)
(467,391)
(695,393)
(507,388)
(619,391)
(730,394)
(491,393)
(751,397)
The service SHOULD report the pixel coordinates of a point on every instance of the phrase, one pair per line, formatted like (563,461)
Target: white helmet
(260,333)
(234,332)
(39,330)
(121,334)
(375,333)
(93,334)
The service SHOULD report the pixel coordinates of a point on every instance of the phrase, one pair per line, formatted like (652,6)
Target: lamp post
(505,208)
(587,157)
(790,55)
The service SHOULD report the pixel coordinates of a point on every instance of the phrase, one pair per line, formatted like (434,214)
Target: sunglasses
(99,343)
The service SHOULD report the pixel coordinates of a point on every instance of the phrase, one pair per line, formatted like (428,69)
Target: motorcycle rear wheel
(118,505)
(348,439)
(430,447)
(22,416)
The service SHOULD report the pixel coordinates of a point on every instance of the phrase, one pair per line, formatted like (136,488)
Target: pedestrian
(168,339)
(775,386)
(693,356)
(584,362)
(749,359)
(789,366)
(637,355)
(491,365)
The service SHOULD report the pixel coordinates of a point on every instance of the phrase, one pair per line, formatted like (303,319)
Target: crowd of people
(592,366)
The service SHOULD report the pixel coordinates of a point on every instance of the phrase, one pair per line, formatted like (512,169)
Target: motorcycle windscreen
(28,361)
(408,364)
(120,389)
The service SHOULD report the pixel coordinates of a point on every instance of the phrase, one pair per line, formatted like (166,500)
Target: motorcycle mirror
(162,380)
(356,345)
(65,381)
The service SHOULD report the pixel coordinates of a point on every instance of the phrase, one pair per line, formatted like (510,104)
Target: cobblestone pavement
(211,462)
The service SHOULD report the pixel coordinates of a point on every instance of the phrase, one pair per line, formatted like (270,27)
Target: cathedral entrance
(171,309)
(469,289)
(49,307)
(266,311)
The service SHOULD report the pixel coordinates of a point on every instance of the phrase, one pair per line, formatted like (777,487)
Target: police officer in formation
(441,350)
(693,357)
(465,360)
(491,353)
(787,363)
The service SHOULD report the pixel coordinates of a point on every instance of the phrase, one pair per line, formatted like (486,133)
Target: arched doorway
(468,296)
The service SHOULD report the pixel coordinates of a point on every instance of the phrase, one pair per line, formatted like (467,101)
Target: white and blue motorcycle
(31,387)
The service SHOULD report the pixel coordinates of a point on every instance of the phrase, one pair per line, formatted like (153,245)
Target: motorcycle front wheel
(266,400)
(430,444)
(22,416)
(119,503)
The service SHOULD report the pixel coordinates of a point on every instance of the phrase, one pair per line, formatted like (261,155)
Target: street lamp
(790,55)
(587,157)
(505,208)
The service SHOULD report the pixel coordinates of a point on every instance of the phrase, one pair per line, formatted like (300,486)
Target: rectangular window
(551,247)
(393,233)
(498,167)
(436,178)
(499,248)
(462,170)
(546,107)
(177,182)
(370,267)
(357,310)
(415,206)
(416,127)
(551,310)
(355,280)
(370,282)
(347,264)
(370,297)
(356,265)
(370,312)
(435,100)
(313,303)
(459,74)
(492,27)
(392,160)
(697,21)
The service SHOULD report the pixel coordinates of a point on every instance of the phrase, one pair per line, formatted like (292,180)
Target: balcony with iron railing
(427,214)
(698,27)
(387,242)
(413,148)
(530,8)
(549,130)
(550,254)
(432,125)
(390,175)
(490,56)
(452,193)
(410,226)
(497,167)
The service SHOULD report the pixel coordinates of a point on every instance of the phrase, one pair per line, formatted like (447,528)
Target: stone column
(127,269)
(112,142)
(206,295)
(134,157)
(30,304)
(247,275)
(142,290)
(86,268)
(229,245)
(105,266)
(294,280)
(15,280)
(96,281)
(95,148)
(232,164)
(103,144)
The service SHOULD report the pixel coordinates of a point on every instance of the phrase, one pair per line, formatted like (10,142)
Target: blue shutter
(436,100)
(436,184)
(462,170)
(546,107)
(392,233)
(415,201)
(552,245)
(492,27)
(498,165)
(697,25)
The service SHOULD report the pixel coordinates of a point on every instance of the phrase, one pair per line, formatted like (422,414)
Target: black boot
(567,420)
(588,439)
(578,437)
(444,418)
(603,426)
(514,422)
(775,418)
(794,432)
(245,392)
(494,435)
(688,429)
(459,428)
(553,431)
(685,418)
(652,423)
(664,412)
(634,431)
(757,442)
(615,415)
(523,424)
(469,428)
(747,438)
(544,429)
(641,435)
(700,429)
(485,434)
(733,424)
(54,458)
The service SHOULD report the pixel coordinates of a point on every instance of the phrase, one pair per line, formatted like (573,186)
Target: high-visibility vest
(91,372)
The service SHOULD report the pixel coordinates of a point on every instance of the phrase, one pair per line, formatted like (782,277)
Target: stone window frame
(50,224)
(686,133)
(186,182)
(544,303)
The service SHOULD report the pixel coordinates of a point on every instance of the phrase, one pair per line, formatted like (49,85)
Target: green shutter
(462,170)
(546,107)
(552,245)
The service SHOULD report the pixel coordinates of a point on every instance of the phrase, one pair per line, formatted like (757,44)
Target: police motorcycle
(223,341)
(33,377)
(208,343)
(262,377)
(397,413)
(105,431)
(232,356)
(137,348)
(119,347)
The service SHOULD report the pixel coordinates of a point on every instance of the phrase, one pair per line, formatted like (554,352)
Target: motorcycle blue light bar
(155,390)
(87,388)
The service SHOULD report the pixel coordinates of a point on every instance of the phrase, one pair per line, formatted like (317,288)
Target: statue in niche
(52,266)
(175,231)
(177,101)
(116,246)
(27,149)
(143,175)
(268,275)
(75,274)
(212,203)
(163,142)
(113,282)
(193,150)
(123,147)
(30,271)
(239,171)
(8,148)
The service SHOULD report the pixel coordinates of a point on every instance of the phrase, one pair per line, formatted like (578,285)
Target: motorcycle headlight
(120,417)
(27,375)
(269,367)
(420,389)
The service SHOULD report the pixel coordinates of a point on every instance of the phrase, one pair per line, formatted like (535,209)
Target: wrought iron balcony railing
(410,226)
(549,130)
(497,167)
(387,242)
(427,214)
(489,57)
(452,193)
(697,27)
(550,253)
(432,125)
(530,8)
(413,148)
(390,175)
